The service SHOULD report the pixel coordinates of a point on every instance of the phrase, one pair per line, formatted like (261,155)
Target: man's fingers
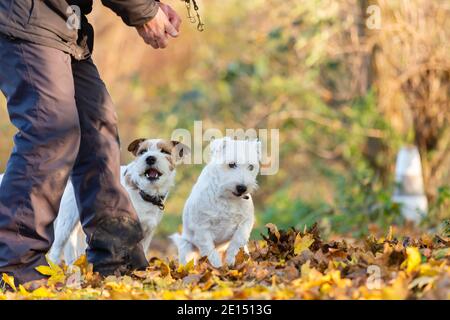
(151,41)
(160,39)
(170,29)
(154,44)
(156,40)
(176,22)
(148,37)
(172,15)
(162,42)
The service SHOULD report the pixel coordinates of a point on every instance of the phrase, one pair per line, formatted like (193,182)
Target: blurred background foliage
(345,98)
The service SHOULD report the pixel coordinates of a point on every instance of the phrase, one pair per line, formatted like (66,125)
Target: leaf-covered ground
(284,265)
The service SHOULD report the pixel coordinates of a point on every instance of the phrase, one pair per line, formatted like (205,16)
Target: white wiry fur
(215,214)
(70,240)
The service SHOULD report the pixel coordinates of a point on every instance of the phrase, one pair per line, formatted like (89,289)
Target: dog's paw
(214,259)
(230,260)
(54,257)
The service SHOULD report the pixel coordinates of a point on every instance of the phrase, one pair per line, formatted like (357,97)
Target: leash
(194,18)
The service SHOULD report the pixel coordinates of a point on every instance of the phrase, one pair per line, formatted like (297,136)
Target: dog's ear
(134,146)
(180,151)
(259,149)
(218,146)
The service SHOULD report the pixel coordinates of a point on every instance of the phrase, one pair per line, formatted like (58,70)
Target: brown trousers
(67,126)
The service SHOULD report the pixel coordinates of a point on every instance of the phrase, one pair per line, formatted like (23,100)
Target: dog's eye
(251,167)
(166,152)
(232,165)
(142,152)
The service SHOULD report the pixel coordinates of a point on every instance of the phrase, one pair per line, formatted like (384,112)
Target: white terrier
(147,180)
(220,208)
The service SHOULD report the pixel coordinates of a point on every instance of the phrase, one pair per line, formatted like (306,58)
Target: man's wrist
(157,3)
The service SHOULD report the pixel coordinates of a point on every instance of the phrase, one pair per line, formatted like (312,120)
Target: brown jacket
(45,21)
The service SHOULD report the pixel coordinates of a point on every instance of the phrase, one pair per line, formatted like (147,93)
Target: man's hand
(173,16)
(155,32)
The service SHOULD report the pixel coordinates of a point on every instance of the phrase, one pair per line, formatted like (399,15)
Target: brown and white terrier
(147,179)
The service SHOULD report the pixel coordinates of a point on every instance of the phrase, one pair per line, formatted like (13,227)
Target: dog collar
(155,200)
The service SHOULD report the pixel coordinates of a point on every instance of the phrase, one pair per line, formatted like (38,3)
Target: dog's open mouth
(152,174)
(241,195)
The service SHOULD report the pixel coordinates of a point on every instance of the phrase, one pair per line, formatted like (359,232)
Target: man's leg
(106,213)
(38,84)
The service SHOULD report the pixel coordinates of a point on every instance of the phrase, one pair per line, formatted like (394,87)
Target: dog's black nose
(151,160)
(240,188)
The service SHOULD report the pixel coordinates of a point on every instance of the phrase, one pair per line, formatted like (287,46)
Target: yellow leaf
(174,295)
(163,283)
(234,273)
(308,274)
(338,264)
(413,259)
(305,269)
(398,290)
(390,235)
(82,263)
(354,260)
(23,291)
(53,265)
(140,274)
(55,272)
(57,278)
(274,230)
(42,293)
(325,288)
(421,282)
(302,243)
(222,293)
(428,270)
(186,268)
(45,270)
(165,269)
(9,280)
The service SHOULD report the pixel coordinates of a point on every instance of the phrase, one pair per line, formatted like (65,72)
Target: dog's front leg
(238,241)
(203,240)
(146,244)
